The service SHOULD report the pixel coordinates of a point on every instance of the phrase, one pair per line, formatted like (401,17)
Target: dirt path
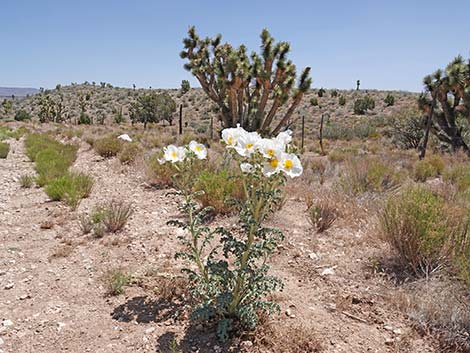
(52,296)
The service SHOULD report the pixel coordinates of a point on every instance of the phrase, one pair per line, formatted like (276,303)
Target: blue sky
(385,44)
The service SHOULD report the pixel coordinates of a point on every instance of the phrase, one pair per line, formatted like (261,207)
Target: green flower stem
(195,245)
(239,286)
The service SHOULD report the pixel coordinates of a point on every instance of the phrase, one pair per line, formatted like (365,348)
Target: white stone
(125,137)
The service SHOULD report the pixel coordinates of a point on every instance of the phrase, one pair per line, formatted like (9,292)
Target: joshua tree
(446,103)
(152,108)
(185,86)
(248,89)
(358,84)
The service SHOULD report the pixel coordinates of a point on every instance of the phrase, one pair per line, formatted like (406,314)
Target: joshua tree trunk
(426,132)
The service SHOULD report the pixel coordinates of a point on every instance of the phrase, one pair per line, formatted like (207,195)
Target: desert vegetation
(273,217)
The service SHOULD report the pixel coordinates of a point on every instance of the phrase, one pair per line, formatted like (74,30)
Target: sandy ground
(58,304)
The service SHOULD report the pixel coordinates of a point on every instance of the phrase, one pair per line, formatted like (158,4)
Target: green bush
(4,149)
(70,188)
(459,175)
(362,105)
(429,167)
(219,189)
(108,146)
(314,102)
(389,100)
(51,164)
(22,115)
(342,100)
(421,228)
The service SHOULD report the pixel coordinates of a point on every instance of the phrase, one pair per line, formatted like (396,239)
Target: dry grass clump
(426,232)
(159,175)
(364,174)
(108,146)
(440,307)
(286,337)
(321,213)
(26,181)
(110,217)
(430,167)
(129,153)
(115,281)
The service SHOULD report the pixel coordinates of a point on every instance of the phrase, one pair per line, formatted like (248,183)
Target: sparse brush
(129,153)
(4,149)
(219,189)
(429,167)
(27,181)
(116,215)
(107,146)
(159,175)
(116,280)
(71,188)
(86,224)
(321,214)
(422,229)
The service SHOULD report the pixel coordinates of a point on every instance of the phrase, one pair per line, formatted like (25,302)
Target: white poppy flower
(247,143)
(269,147)
(272,166)
(246,167)
(174,154)
(284,138)
(199,149)
(232,135)
(290,164)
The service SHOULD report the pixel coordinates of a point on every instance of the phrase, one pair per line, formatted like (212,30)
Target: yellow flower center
(230,140)
(288,164)
(273,163)
(248,146)
(198,148)
(174,154)
(271,153)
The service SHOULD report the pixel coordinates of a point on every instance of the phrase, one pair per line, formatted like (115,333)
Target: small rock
(217,349)
(389,341)
(397,331)
(24,297)
(313,256)
(60,325)
(7,323)
(1,342)
(328,272)
(247,345)
(149,330)
(9,285)
(388,328)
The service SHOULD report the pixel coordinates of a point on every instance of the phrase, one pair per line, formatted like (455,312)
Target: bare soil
(53,297)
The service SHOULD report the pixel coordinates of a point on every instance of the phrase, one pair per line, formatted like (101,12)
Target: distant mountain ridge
(17,91)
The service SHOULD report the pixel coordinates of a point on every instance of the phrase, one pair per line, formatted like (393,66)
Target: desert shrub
(220,190)
(22,115)
(108,146)
(84,119)
(129,153)
(334,93)
(4,149)
(159,175)
(115,215)
(362,105)
(318,167)
(429,167)
(420,227)
(369,175)
(407,131)
(36,143)
(459,175)
(314,102)
(116,280)
(321,214)
(389,100)
(335,131)
(51,164)
(70,188)
(321,92)
(342,100)
(26,181)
